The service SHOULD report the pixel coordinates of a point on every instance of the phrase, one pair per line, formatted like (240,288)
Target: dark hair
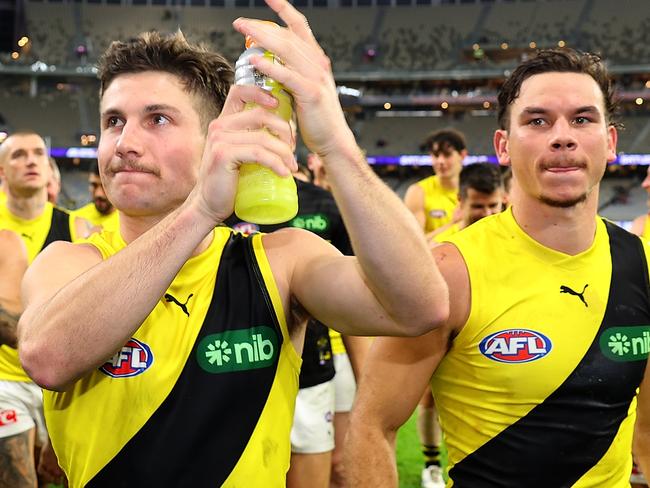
(564,60)
(445,138)
(203,72)
(483,177)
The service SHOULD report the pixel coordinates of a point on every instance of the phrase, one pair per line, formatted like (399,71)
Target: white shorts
(313,430)
(344,383)
(21,409)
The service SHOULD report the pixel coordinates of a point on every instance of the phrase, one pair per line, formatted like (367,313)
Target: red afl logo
(8,417)
(133,359)
(246,228)
(515,346)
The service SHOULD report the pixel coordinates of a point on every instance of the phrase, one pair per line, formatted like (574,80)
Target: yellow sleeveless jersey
(539,387)
(53,224)
(201,396)
(110,222)
(439,203)
(448,232)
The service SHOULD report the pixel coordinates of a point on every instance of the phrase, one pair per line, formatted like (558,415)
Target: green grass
(409,456)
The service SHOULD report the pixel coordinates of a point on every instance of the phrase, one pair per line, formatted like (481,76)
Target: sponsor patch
(238,350)
(515,346)
(625,343)
(316,223)
(133,359)
(8,417)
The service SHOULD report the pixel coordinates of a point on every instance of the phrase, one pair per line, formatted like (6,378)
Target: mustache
(119,166)
(563,162)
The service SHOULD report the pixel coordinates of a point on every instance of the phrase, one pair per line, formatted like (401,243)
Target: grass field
(409,457)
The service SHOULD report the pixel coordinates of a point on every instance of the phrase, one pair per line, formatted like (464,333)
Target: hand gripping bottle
(263,197)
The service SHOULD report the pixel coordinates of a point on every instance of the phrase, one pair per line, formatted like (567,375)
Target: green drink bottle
(263,197)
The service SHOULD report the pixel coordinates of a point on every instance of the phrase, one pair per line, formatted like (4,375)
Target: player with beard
(540,372)
(100,212)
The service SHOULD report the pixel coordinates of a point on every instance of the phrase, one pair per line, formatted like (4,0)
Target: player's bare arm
(395,374)
(13,263)
(414,200)
(372,293)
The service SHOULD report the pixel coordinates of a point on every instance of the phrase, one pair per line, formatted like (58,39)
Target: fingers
(240,96)
(252,120)
(276,161)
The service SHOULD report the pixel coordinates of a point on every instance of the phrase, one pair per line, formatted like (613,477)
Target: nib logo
(218,352)
(626,343)
(238,350)
(619,344)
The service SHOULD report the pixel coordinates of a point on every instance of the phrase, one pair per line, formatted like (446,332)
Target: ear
(612,139)
(501,146)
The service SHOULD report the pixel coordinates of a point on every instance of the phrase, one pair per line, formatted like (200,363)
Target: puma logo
(183,306)
(581,295)
(27,236)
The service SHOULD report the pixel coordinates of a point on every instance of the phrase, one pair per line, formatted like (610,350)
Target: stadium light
(639,101)
(532,45)
(387,105)
(444,105)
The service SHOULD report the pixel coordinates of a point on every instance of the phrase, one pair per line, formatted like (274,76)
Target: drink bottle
(264,197)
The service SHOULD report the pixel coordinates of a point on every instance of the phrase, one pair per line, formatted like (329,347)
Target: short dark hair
(560,60)
(445,138)
(203,72)
(482,177)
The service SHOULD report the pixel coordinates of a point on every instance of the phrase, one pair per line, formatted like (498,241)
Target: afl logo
(246,228)
(515,346)
(133,359)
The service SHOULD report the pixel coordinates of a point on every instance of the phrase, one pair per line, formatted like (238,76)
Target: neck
(449,182)
(567,230)
(132,227)
(27,207)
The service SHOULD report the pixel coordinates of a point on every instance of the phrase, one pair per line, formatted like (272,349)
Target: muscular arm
(68,281)
(395,374)
(13,263)
(357,349)
(414,200)
(641,446)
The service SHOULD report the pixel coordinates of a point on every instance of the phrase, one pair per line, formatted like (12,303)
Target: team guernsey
(52,225)
(110,222)
(439,202)
(203,393)
(539,387)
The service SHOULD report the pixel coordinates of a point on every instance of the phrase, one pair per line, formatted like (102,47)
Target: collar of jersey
(46,214)
(546,254)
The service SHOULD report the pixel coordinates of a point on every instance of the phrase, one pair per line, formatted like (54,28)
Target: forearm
(369,457)
(8,323)
(357,349)
(93,315)
(641,450)
(389,245)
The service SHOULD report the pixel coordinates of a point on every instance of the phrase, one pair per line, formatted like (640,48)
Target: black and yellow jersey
(539,387)
(439,203)
(203,393)
(646,229)
(52,225)
(110,222)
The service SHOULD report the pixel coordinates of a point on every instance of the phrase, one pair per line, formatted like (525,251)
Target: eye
(113,121)
(159,119)
(538,122)
(581,120)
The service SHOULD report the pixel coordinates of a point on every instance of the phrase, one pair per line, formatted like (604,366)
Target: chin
(563,202)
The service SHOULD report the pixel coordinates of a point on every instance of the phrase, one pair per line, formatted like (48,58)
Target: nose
(129,144)
(562,138)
